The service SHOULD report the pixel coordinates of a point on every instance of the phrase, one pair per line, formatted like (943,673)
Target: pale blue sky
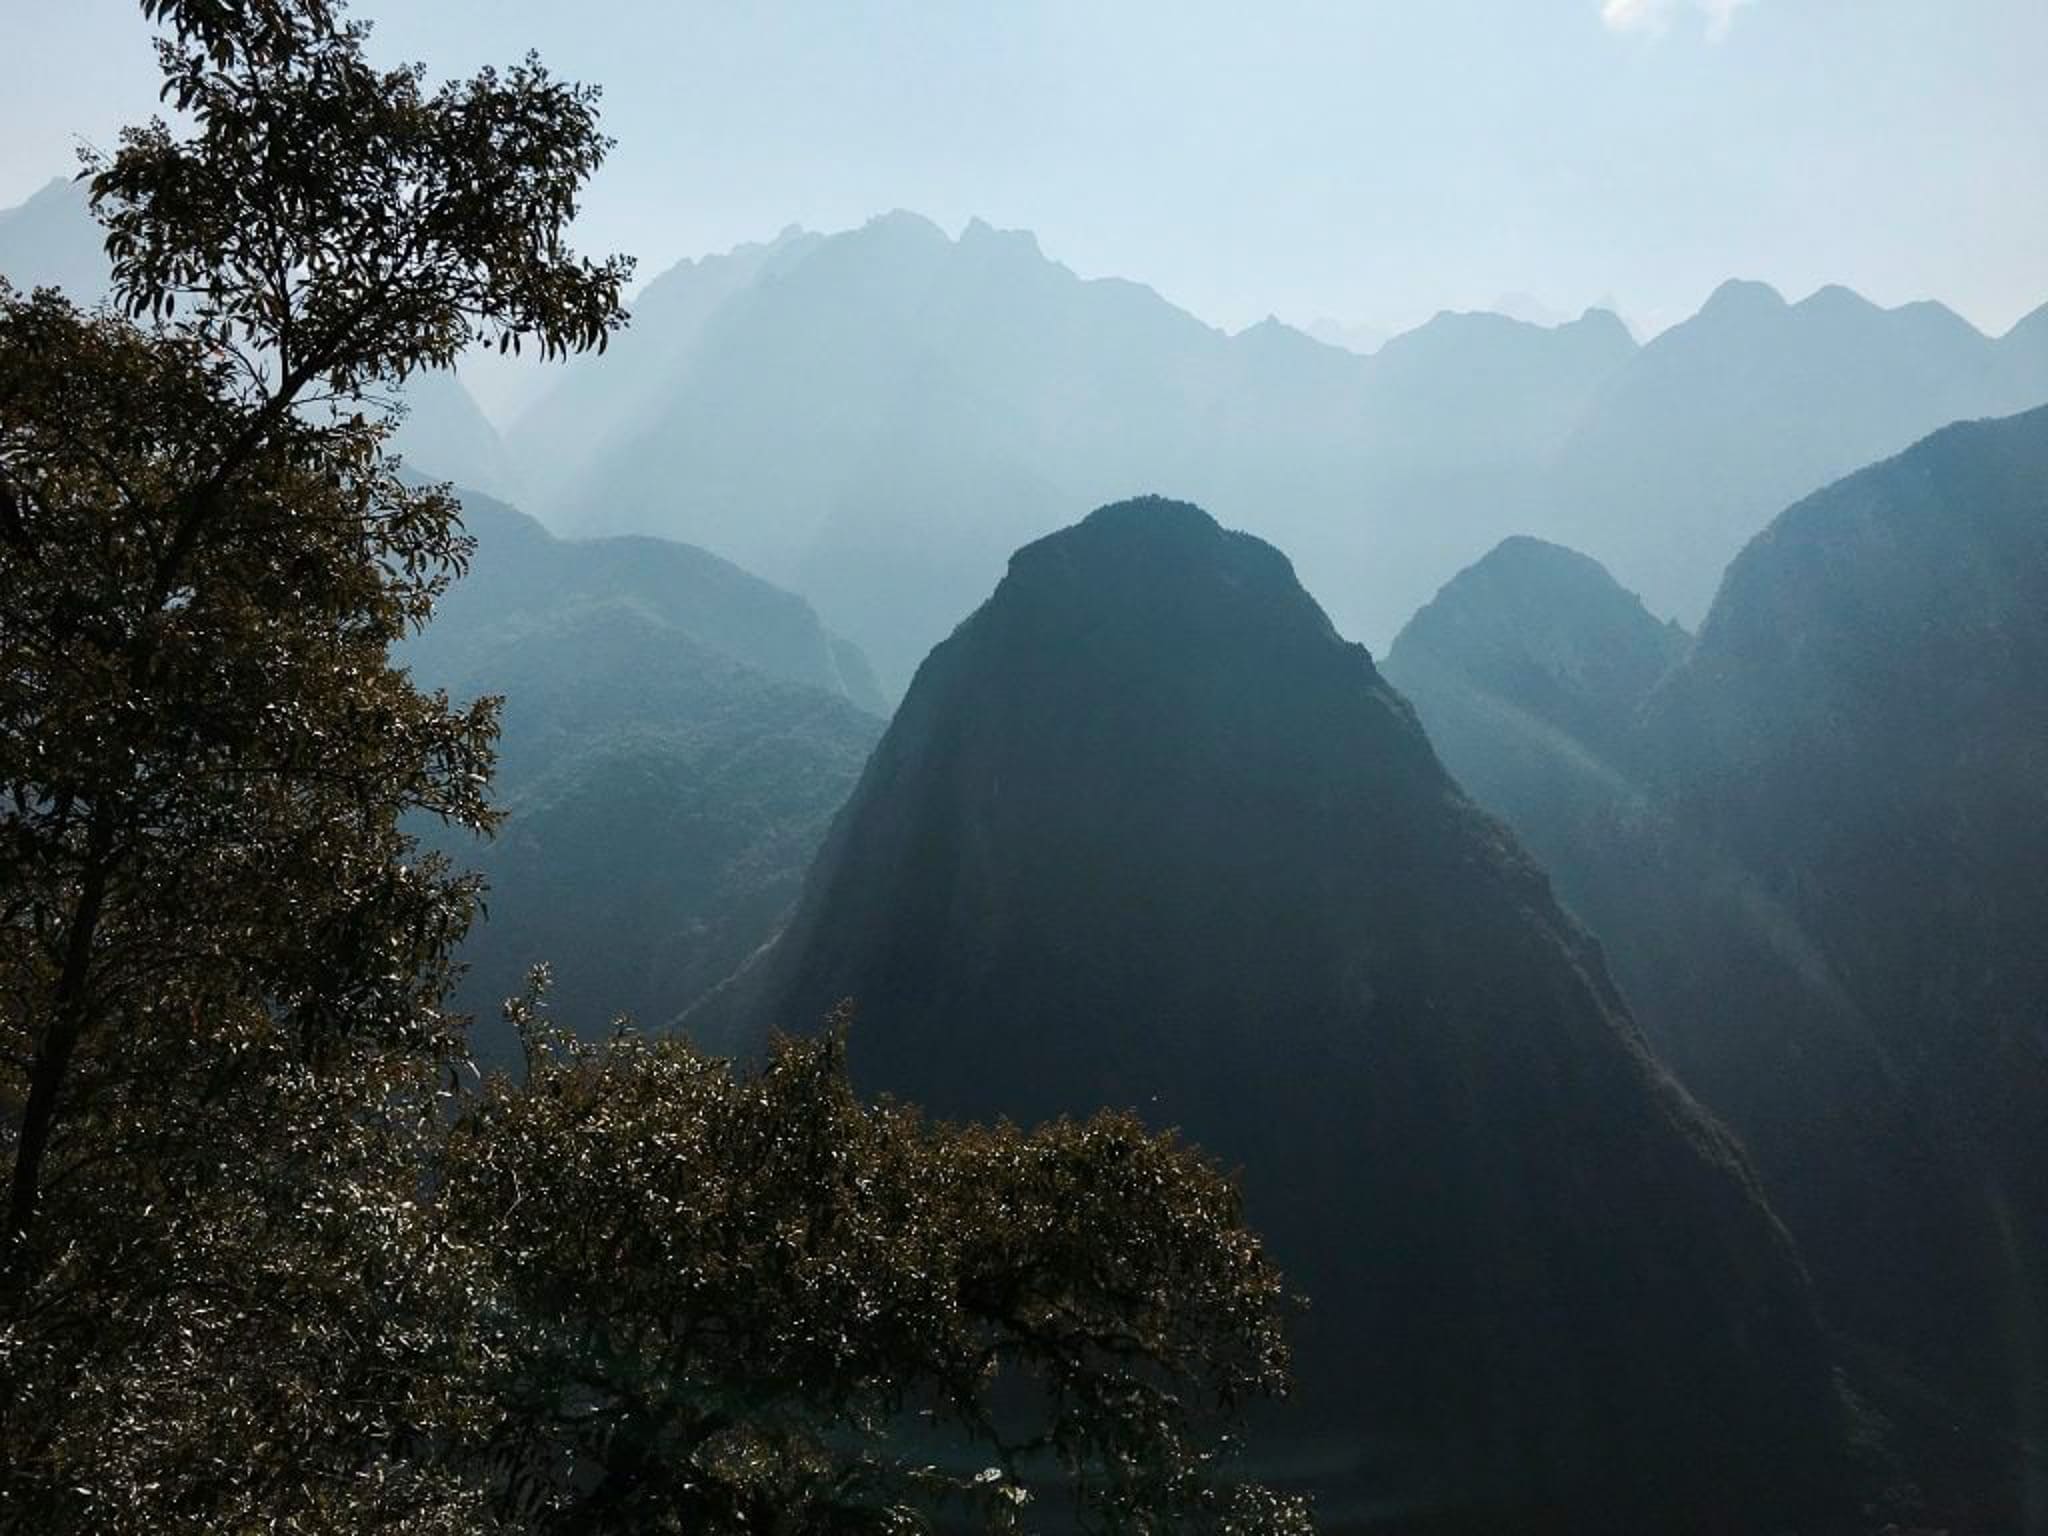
(1371,161)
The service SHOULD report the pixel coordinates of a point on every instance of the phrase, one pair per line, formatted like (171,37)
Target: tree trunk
(50,1066)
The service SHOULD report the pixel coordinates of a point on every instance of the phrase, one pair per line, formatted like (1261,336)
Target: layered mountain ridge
(676,737)
(1814,847)
(876,418)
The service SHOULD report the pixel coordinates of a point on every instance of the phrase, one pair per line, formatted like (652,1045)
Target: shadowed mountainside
(1146,832)
(1815,845)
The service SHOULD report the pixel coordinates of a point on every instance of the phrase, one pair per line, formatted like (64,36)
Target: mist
(891,767)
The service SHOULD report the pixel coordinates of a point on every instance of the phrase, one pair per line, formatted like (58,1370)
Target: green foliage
(739,1302)
(253,1321)
(348,221)
(638,1291)
(205,752)
(219,954)
(203,749)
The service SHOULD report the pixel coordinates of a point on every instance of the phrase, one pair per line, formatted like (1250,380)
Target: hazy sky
(1371,161)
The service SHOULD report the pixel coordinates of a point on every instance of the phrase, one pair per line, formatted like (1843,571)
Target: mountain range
(1814,842)
(876,418)
(1625,1004)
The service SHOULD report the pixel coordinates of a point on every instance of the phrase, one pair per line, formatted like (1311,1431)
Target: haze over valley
(880,880)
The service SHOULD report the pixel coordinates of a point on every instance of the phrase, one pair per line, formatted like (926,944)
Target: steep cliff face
(1865,722)
(1863,729)
(1148,832)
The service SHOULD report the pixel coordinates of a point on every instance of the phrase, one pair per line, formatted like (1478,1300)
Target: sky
(1370,161)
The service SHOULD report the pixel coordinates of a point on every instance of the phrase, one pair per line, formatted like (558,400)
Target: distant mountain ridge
(604,399)
(521,575)
(875,418)
(1756,402)
(880,416)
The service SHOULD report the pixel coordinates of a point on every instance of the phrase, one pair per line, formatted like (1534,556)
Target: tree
(221,955)
(204,750)
(268,1261)
(730,1302)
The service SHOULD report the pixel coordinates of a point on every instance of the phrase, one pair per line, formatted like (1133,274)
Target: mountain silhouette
(875,418)
(879,417)
(1725,419)
(1147,832)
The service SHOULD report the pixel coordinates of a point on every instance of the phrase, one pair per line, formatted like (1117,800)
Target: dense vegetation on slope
(1147,832)
(1548,629)
(1863,726)
(676,737)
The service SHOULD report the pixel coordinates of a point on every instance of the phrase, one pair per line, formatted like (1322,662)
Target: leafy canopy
(750,1302)
(204,750)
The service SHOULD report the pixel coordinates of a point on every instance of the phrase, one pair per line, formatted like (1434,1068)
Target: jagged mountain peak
(1839,299)
(1602,321)
(980,235)
(906,225)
